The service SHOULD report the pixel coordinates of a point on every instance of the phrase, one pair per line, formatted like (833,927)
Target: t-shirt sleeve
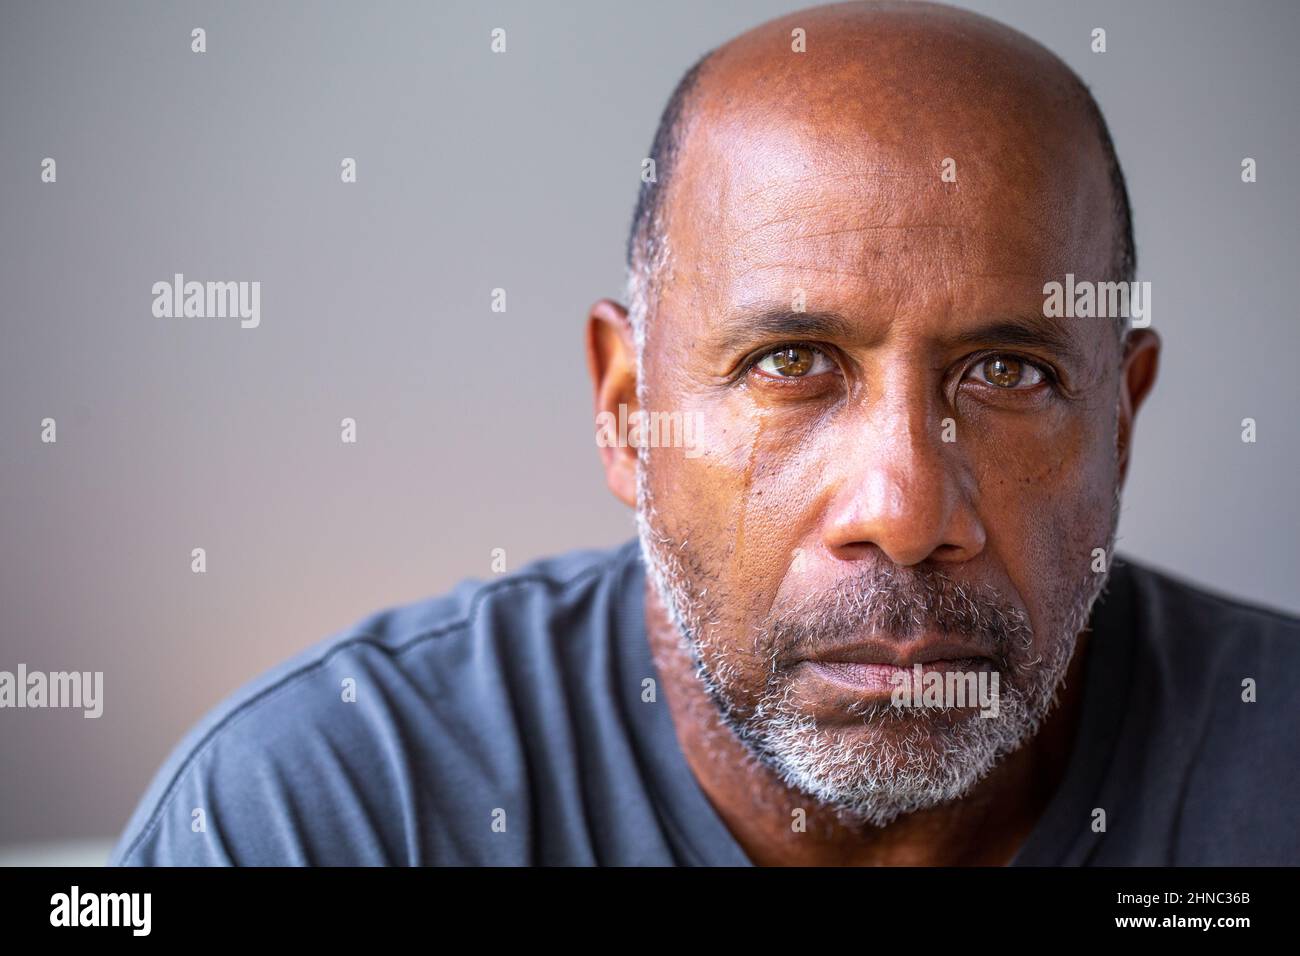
(296,771)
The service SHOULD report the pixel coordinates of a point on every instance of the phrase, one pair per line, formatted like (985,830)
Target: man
(906,469)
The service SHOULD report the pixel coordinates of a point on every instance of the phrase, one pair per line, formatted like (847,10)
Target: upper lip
(900,654)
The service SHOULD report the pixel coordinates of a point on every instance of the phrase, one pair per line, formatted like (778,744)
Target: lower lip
(882,678)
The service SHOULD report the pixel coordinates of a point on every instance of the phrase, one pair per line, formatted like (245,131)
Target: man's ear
(611,360)
(1137,377)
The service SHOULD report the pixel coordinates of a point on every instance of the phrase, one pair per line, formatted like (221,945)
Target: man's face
(888,472)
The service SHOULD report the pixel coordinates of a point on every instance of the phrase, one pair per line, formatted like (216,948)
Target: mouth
(878,667)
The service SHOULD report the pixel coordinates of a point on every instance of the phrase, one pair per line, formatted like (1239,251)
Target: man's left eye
(1007,371)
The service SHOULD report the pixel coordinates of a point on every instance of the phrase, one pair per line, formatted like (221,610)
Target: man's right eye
(794,361)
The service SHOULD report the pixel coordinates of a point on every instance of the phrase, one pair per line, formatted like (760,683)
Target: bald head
(897,84)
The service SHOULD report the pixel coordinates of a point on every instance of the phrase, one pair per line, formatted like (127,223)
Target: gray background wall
(475,171)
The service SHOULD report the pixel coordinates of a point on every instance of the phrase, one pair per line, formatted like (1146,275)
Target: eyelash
(1049,374)
(1050,378)
(750,363)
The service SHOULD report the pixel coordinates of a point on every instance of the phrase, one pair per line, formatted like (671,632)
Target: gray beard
(898,760)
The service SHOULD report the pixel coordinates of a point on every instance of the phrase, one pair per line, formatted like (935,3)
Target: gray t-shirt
(504,723)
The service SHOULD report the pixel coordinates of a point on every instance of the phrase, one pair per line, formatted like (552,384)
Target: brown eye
(792,361)
(1007,371)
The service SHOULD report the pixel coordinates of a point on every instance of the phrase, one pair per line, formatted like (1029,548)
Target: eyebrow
(1048,334)
(746,328)
(742,329)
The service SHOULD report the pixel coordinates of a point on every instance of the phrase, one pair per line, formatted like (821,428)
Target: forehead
(841,193)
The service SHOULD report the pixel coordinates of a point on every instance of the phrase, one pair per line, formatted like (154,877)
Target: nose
(901,488)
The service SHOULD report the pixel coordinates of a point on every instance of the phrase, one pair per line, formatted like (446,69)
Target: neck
(985,828)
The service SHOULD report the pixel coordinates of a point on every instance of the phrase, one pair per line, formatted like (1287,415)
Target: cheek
(742,501)
(1045,506)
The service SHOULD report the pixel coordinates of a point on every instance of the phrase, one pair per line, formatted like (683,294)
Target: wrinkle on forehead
(770,179)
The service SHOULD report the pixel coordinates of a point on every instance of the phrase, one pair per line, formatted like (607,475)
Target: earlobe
(611,362)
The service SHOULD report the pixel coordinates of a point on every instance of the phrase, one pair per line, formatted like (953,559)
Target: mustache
(894,602)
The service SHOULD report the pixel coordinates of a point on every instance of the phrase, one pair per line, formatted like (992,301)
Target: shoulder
(1218,677)
(1174,609)
(321,759)
(1199,648)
